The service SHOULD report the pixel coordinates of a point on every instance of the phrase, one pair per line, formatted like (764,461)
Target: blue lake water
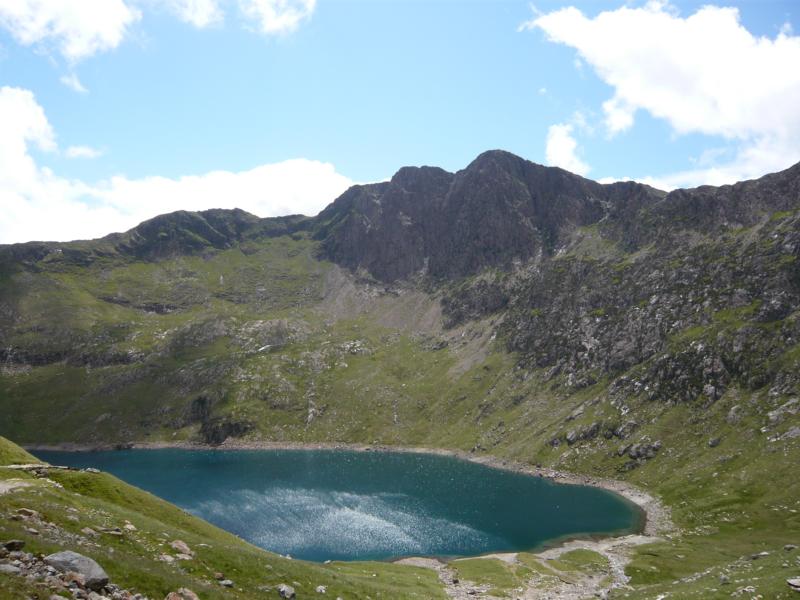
(346,505)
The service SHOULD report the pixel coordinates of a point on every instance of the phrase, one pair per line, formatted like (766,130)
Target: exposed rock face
(498,210)
(95,578)
(216,431)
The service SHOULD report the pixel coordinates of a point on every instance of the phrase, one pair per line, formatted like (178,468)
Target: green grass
(501,577)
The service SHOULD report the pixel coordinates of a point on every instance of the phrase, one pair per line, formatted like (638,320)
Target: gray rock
(226,583)
(794,583)
(790,547)
(9,569)
(321,589)
(286,591)
(724,579)
(93,574)
(714,442)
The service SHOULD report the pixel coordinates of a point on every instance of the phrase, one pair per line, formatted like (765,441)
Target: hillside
(507,309)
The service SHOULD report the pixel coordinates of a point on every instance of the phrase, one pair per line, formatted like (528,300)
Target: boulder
(794,583)
(9,569)
(14,545)
(286,591)
(66,561)
(182,594)
(181,547)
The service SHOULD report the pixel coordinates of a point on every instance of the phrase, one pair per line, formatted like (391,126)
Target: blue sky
(160,96)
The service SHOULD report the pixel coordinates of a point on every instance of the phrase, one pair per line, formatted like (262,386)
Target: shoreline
(655,515)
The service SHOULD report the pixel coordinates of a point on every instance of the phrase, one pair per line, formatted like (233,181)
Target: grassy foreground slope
(70,501)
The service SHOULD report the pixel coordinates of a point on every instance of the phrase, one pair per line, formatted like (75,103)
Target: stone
(93,574)
(724,579)
(181,547)
(183,557)
(758,555)
(321,589)
(14,545)
(790,547)
(286,591)
(166,558)
(9,569)
(89,531)
(182,594)
(714,442)
(794,583)
(226,583)
(27,512)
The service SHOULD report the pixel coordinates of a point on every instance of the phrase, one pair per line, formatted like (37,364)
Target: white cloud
(200,13)
(278,16)
(38,204)
(73,83)
(704,73)
(82,152)
(77,28)
(562,150)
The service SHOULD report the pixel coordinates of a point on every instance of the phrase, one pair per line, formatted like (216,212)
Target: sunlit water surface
(345,505)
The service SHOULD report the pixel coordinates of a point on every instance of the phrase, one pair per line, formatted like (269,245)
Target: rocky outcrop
(94,577)
(498,210)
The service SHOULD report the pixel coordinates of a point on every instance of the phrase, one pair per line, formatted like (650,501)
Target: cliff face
(500,210)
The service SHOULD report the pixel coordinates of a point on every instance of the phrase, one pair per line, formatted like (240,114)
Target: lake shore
(656,516)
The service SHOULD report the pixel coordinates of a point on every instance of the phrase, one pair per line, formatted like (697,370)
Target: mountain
(508,309)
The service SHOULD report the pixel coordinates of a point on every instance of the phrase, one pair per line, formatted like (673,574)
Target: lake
(347,505)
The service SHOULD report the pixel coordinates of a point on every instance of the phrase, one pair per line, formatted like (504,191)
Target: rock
(181,547)
(286,591)
(183,557)
(794,583)
(129,526)
(790,547)
(714,442)
(166,558)
(27,512)
(724,579)
(93,574)
(14,545)
(219,576)
(89,531)
(321,589)
(758,555)
(9,569)
(226,583)
(182,594)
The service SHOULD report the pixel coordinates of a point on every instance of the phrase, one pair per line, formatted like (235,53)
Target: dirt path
(548,583)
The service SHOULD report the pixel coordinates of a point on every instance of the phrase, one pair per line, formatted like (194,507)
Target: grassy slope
(729,501)
(100,500)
